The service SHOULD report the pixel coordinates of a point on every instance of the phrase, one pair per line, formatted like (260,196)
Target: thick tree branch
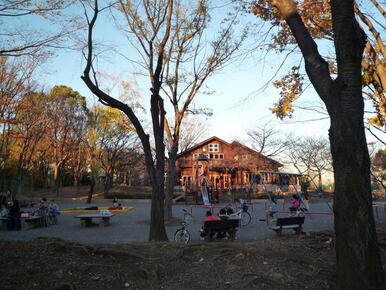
(316,66)
(108,100)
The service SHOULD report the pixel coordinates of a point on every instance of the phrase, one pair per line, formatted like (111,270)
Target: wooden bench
(294,223)
(86,219)
(221,226)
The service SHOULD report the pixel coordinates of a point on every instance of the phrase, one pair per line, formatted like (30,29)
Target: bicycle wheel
(54,219)
(182,236)
(245,219)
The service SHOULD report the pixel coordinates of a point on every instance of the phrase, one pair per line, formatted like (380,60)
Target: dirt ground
(288,262)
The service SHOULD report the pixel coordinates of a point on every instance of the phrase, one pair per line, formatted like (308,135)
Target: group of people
(46,210)
(10,210)
(223,214)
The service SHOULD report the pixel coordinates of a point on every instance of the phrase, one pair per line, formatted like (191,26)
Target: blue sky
(232,114)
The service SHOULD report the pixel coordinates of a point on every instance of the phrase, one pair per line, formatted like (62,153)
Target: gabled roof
(233,144)
(255,152)
(207,141)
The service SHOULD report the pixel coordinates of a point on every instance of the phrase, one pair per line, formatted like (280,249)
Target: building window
(221,156)
(213,147)
(210,156)
(195,156)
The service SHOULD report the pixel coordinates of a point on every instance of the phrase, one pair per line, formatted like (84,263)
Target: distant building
(230,165)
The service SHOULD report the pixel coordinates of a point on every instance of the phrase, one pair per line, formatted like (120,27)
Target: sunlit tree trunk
(358,260)
(91,190)
(155,167)
(171,177)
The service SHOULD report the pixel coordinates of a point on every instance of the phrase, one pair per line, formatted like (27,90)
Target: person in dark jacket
(14,214)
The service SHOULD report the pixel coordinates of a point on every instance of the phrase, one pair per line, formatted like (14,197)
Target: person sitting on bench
(295,203)
(209,217)
(224,215)
(117,207)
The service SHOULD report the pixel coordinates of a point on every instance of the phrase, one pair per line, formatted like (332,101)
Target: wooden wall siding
(234,169)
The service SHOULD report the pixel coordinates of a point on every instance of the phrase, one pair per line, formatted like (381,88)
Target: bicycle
(52,218)
(188,218)
(242,214)
(43,214)
(182,235)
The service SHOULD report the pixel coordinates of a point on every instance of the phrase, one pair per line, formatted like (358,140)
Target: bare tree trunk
(170,182)
(157,172)
(20,181)
(157,230)
(155,168)
(91,191)
(358,261)
(77,184)
(56,179)
(20,175)
(320,180)
(356,242)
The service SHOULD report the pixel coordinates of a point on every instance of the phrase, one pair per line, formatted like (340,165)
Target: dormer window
(213,147)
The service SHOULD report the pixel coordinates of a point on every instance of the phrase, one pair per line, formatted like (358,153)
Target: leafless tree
(310,155)
(152,33)
(193,130)
(192,57)
(268,140)
(19,39)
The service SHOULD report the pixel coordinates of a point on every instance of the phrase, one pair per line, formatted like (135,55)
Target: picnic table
(86,219)
(31,222)
(26,223)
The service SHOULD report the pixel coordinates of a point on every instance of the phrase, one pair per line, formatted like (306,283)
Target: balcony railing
(212,163)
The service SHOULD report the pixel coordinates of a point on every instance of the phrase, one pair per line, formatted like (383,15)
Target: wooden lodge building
(230,165)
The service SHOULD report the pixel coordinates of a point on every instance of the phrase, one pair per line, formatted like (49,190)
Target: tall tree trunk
(170,182)
(157,172)
(77,184)
(108,180)
(56,179)
(358,261)
(20,174)
(20,181)
(91,190)
(356,240)
(157,230)
(320,180)
(155,169)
